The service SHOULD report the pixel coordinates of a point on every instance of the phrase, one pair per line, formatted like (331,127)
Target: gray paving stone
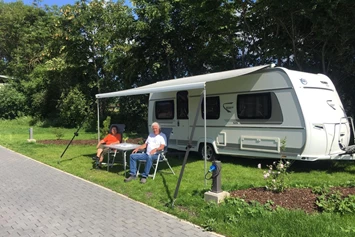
(38,200)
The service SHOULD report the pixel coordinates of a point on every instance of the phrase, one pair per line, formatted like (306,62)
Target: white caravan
(260,112)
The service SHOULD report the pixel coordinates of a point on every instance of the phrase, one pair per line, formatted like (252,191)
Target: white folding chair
(165,132)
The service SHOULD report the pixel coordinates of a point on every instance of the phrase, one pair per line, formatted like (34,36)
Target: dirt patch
(293,198)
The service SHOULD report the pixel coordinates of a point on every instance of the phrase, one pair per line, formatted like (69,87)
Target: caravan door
(181,133)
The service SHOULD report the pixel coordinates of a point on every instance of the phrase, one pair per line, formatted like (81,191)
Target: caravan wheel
(211,154)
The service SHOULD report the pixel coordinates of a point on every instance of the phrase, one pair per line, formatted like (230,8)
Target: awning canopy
(186,83)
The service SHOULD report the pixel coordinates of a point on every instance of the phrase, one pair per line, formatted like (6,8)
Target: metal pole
(98,120)
(31,133)
(76,133)
(187,151)
(205,128)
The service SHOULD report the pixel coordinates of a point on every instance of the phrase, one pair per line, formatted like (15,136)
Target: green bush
(106,127)
(12,103)
(59,133)
(333,201)
(73,108)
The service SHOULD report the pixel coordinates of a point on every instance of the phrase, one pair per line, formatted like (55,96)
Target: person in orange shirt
(112,138)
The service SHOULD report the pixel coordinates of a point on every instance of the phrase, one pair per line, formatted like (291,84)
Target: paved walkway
(38,200)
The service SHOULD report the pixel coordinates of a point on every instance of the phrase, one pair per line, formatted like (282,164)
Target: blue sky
(55,2)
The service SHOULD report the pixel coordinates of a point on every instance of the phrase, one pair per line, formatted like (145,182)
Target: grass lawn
(231,218)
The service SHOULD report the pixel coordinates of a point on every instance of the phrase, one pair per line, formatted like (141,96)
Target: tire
(211,154)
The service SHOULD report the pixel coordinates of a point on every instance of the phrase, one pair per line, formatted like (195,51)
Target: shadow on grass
(326,165)
(166,187)
(329,166)
(200,193)
(61,159)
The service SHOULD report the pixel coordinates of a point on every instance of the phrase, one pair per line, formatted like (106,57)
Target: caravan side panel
(265,134)
(267,114)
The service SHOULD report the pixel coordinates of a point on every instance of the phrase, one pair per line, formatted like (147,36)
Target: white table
(124,147)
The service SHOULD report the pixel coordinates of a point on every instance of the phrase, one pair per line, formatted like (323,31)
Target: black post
(76,133)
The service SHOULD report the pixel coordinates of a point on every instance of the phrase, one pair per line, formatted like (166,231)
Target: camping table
(124,147)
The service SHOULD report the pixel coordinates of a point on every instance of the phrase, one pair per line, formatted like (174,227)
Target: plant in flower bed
(276,176)
(332,200)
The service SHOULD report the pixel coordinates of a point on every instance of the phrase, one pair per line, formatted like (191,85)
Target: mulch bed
(293,198)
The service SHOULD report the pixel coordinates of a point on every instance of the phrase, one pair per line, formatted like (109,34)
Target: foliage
(73,108)
(12,103)
(333,201)
(134,113)
(106,127)
(276,176)
(125,137)
(59,133)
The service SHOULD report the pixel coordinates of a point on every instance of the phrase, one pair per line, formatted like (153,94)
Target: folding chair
(111,153)
(165,132)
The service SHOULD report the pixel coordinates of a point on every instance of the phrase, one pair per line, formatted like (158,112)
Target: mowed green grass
(232,218)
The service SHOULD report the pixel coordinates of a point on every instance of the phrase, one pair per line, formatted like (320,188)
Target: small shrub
(59,133)
(333,202)
(12,103)
(106,127)
(73,108)
(276,176)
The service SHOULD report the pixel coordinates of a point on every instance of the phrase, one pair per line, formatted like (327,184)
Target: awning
(186,83)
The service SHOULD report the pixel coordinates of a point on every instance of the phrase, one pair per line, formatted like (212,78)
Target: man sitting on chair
(154,143)
(112,138)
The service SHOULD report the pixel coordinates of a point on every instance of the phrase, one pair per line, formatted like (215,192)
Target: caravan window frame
(182,105)
(164,109)
(247,106)
(213,109)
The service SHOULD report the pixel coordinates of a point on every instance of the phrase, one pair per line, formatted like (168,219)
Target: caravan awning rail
(185,83)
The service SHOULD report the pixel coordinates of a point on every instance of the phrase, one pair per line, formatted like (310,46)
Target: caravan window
(164,109)
(212,107)
(182,104)
(254,106)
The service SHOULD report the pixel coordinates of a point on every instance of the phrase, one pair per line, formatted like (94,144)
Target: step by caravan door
(181,133)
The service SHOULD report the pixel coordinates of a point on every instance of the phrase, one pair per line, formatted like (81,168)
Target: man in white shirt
(154,143)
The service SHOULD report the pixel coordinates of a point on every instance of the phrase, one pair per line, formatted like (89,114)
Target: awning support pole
(98,120)
(188,147)
(205,128)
